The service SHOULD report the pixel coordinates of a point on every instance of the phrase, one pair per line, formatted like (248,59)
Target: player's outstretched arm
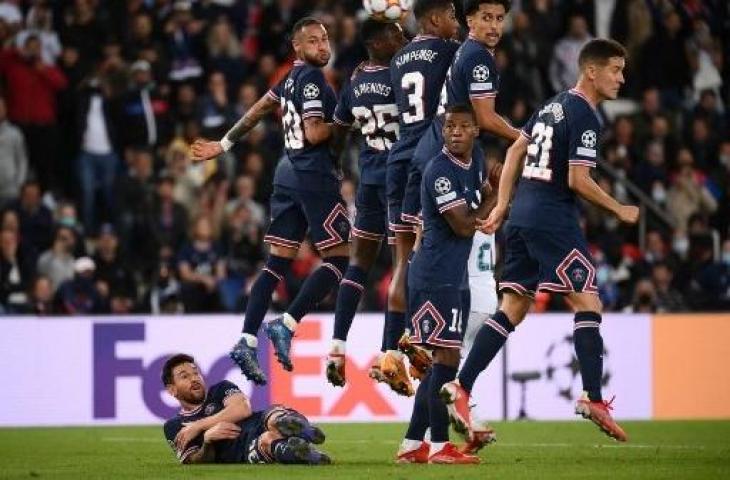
(236,408)
(205,150)
(511,171)
(580,181)
(489,120)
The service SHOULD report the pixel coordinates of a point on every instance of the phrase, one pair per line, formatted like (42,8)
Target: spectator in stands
(113,275)
(186,104)
(184,41)
(688,194)
(15,273)
(164,295)
(644,299)
(564,64)
(39,22)
(14,164)
(36,220)
(245,191)
(32,87)
(57,263)
(243,249)
(216,112)
(651,172)
(201,268)
(98,162)
(83,29)
(710,281)
(144,110)
(78,295)
(40,297)
(134,194)
(224,52)
(168,219)
(523,52)
(668,299)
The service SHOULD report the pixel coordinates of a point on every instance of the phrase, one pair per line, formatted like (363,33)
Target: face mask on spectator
(658,193)
(726,258)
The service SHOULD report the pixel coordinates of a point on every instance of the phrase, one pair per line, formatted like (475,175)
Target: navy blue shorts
(555,261)
(294,211)
(436,316)
(371,220)
(428,147)
(396,177)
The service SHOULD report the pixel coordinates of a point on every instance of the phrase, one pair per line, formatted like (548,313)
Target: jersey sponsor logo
(312,104)
(588,138)
(442,185)
(445,198)
(480,73)
(481,86)
(310,91)
(586,152)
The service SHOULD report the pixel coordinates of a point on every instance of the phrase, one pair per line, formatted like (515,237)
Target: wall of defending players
(87,371)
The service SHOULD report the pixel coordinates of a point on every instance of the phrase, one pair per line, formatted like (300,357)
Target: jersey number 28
(292,124)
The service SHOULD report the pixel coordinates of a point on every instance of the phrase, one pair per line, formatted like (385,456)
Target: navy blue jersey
(200,261)
(564,132)
(304,93)
(417,72)
(226,452)
(369,102)
(473,74)
(441,260)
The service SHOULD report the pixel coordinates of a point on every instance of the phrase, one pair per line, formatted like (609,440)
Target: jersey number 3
(537,162)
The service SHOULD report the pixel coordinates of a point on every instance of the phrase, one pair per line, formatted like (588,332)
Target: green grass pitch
(525,450)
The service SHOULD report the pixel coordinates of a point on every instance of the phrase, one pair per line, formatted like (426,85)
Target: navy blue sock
(395,325)
(317,286)
(260,298)
(438,416)
(589,350)
(348,298)
(489,340)
(419,417)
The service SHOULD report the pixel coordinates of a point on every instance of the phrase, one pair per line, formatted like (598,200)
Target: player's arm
(206,452)
(236,408)
(463,220)
(316,130)
(490,121)
(581,182)
(205,150)
(511,171)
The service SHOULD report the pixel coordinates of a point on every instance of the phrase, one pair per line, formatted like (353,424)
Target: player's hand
(203,150)
(187,434)
(222,431)
(493,221)
(628,213)
(494,174)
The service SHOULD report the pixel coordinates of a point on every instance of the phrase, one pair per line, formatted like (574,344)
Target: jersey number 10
(537,161)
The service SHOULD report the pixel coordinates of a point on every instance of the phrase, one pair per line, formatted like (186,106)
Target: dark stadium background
(169,71)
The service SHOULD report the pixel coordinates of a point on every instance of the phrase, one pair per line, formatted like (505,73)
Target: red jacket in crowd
(30,89)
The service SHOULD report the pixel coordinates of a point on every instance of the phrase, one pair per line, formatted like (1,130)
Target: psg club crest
(579,275)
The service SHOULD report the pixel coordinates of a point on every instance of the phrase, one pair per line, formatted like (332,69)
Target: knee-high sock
(348,298)
(274,271)
(489,340)
(317,286)
(589,350)
(437,413)
(420,417)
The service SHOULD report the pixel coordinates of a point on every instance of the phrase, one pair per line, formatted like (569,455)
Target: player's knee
(285,252)
(585,302)
(341,250)
(363,253)
(515,307)
(396,296)
(266,439)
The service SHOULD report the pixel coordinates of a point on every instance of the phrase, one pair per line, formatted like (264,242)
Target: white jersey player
(482,286)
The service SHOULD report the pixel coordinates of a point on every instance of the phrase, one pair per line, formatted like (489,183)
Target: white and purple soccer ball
(387,10)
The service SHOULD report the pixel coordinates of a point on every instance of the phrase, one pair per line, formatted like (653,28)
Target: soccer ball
(387,10)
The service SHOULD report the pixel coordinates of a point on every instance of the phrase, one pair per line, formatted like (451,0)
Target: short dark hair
(600,50)
(171,363)
(462,108)
(302,23)
(372,30)
(471,6)
(424,7)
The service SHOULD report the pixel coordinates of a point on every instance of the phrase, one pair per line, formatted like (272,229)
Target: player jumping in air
(545,247)
(368,101)
(306,196)
(417,74)
(218,426)
(454,194)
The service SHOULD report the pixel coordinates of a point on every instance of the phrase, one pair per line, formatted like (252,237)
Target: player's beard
(316,60)
(195,397)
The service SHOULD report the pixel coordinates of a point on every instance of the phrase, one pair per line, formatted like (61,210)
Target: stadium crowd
(101,210)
